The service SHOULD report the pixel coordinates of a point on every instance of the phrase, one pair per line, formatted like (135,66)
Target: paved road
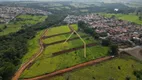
(31,60)
(47,76)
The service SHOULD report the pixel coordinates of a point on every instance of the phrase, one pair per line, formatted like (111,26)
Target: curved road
(31,60)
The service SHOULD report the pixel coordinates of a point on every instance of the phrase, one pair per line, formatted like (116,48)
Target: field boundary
(59,72)
(45,37)
(57,42)
(73,49)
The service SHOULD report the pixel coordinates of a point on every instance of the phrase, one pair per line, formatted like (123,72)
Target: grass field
(10,28)
(105,71)
(30,19)
(23,20)
(129,17)
(46,63)
(60,29)
(67,45)
(49,64)
(61,37)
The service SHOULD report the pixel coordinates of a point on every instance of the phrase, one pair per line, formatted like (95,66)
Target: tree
(81,24)
(113,16)
(140,36)
(14,46)
(86,28)
(104,34)
(1,30)
(0,78)
(140,18)
(5,27)
(106,42)
(128,78)
(138,74)
(8,70)
(114,49)
(89,31)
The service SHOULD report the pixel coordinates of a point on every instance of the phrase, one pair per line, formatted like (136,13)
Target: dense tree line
(85,27)
(138,74)
(4,27)
(14,46)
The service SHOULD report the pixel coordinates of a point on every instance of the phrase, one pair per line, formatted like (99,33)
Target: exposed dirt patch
(135,51)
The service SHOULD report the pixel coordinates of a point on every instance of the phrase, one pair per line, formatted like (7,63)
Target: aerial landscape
(70,40)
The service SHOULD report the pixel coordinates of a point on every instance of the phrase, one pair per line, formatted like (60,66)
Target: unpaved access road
(47,76)
(31,60)
(135,51)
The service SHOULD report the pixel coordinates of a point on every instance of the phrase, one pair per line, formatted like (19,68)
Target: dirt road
(135,51)
(25,65)
(47,76)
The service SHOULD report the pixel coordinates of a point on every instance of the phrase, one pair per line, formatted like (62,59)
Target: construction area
(65,50)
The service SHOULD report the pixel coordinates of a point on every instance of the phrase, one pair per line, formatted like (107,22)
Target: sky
(34,0)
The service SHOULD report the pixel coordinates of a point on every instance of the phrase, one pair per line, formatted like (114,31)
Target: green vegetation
(49,64)
(11,28)
(61,37)
(138,74)
(29,19)
(115,69)
(15,45)
(129,17)
(33,47)
(46,63)
(71,44)
(21,21)
(60,29)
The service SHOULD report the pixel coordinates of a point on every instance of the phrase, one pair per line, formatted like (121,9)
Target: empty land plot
(115,69)
(60,29)
(71,44)
(61,37)
(46,63)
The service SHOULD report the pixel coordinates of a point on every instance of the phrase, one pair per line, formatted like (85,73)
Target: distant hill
(110,1)
(106,1)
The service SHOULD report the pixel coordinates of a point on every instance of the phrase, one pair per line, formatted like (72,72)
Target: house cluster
(117,30)
(9,13)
